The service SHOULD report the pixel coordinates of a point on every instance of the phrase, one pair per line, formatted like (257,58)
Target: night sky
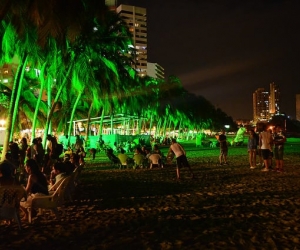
(225,49)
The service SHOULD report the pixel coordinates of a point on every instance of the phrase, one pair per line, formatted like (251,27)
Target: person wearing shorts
(181,159)
(279,140)
(265,144)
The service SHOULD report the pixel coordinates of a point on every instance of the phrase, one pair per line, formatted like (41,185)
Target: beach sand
(224,207)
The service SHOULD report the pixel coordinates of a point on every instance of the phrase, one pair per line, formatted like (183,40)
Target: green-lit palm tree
(13,45)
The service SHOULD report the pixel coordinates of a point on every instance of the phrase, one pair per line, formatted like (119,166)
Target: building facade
(260,105)
(298,107)
(274,99)
(266,104)
(155,70)
(136,19)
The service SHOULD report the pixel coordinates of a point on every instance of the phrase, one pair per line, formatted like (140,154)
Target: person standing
(265,144)
(223,148)
(181,159)
(51,156)
(252,147)
(279,140)
(22,151)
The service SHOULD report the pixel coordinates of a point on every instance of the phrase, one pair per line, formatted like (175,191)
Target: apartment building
(266,103)
(155,70)
(298,107)
(274,99)
(136,19)
(260,105)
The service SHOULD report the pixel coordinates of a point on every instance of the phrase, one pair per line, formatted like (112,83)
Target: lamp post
(2,122)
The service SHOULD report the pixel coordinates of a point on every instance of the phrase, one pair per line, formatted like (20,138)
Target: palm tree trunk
(11,108)
(73,112)
(38,101)
(124,126)
(157,127)
(88,122)
(179,128)
(50,114)
(49,95)
(16,108)
(164,128)
(101,124)
(169,127)
(111,124)
(139,126)
(150,126)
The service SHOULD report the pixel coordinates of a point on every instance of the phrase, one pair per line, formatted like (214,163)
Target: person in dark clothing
(223,148)
(37,184)
(14,153)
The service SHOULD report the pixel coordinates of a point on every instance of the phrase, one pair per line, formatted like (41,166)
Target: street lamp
(2,122)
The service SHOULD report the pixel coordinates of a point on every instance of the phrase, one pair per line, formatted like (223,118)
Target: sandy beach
(224,207)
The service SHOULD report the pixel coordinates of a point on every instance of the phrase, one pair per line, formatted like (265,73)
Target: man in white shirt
(265,144)
(180,157)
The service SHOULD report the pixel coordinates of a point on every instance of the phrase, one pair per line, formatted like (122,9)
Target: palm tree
(9,44)
(38,103)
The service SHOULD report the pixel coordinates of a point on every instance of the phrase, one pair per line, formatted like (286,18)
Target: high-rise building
(260,105)
(136,19)
(274,99)
(155,70)
(8,71)
(266,104)
(298,107)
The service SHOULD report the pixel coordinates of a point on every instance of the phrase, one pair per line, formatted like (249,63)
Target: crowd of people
(143,157)
(38,169)
(264,145)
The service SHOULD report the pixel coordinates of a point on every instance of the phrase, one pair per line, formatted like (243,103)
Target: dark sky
(225,49)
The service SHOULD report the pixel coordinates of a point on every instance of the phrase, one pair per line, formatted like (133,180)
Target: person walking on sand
(223,148)
(181,159)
